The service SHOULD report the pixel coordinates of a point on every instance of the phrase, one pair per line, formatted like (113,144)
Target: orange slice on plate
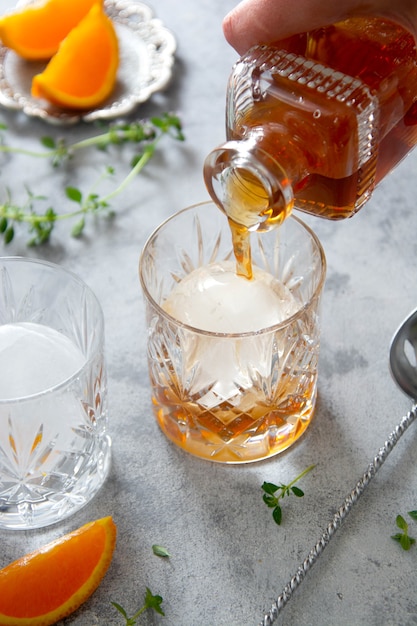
(35,31)
(83,71)
(45,586)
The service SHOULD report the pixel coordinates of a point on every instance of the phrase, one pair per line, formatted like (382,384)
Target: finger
(263,21)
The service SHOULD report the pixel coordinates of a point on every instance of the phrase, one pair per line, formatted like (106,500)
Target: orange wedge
(35,31)
(45,586)
(83,71)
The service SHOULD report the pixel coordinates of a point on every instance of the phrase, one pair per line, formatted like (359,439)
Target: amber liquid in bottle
(384,57)
(313,132)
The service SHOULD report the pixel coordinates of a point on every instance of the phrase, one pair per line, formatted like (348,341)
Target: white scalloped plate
(146,50)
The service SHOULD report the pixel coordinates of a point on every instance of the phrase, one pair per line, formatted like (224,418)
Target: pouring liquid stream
(247,207)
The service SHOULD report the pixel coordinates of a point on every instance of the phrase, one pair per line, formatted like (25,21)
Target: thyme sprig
(274,493)
(403,537)
(145,135)
(150,602)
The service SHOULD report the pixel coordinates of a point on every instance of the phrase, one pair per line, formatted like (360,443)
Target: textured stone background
(229,560)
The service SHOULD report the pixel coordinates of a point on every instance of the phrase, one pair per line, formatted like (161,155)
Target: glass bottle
(315,121)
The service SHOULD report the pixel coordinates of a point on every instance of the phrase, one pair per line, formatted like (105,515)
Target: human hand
(263,21)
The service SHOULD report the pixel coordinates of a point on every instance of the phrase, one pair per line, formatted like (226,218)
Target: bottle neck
(248,185)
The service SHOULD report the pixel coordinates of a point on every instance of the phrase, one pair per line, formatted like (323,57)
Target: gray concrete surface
(229,561)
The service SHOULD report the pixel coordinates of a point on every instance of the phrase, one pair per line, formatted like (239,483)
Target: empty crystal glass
(54,446)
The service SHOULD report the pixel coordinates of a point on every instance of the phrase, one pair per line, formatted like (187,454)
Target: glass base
(261,441)
(27,506)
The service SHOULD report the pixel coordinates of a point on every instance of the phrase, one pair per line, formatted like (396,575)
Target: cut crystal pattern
(54,449)
(226,397)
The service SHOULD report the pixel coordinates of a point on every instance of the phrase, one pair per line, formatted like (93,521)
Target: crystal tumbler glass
(54,446)
(232,362)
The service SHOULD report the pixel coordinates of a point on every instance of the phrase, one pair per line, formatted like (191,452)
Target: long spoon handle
(338,519)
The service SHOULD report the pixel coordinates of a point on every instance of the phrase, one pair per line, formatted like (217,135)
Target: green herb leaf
(160,551)
(8,235)
(413,514)
(277,515)
(270,488)
(270,501)
(78,228)
(48,142)
(401,523)
(297,492)
(120,609)
(74,194)
(405,542)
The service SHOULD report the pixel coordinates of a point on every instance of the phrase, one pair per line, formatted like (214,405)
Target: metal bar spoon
(403,366)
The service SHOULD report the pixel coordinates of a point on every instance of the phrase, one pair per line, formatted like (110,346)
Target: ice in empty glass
(54,445)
